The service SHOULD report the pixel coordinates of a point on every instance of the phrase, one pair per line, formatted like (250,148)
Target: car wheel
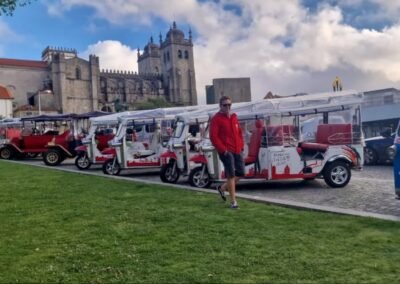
(370,156)
(52,157)
(170,172)
(82,162)
(390,153)
(111,167)
(199,179)
(6,153)
(337,174)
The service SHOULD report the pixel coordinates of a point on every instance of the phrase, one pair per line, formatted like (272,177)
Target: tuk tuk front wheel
(111,167)
(169,172)
(52,157)
(82,162)
(6,153)
(337,174)
(199,178)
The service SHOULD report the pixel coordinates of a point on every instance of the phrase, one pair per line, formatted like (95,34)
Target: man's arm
(214,137)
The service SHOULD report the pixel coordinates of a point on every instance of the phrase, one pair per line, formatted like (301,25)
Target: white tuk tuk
(276,150)
(94,148)
(141,138)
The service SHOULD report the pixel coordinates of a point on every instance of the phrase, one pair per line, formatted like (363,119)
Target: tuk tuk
(141,138)
(276,146)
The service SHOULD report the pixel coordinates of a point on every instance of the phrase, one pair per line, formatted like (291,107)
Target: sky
(284,46)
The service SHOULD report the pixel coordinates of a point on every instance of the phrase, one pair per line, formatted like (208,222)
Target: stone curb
(274,201)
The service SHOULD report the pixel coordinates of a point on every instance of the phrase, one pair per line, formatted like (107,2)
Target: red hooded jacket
(226,134)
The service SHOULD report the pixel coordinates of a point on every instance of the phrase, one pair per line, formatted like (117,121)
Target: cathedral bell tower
(177,67)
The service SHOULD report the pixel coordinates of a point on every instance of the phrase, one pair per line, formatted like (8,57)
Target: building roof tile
(5,94)
(23,63)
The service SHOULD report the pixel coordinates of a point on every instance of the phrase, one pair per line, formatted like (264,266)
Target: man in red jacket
(226,136)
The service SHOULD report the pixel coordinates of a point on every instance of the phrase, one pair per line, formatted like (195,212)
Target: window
(167,55)
(78,73)
(186,54)
(179,53)
(388,100)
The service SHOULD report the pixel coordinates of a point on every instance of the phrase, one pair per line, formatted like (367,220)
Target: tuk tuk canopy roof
(293,105)
(88,115)
(49,117)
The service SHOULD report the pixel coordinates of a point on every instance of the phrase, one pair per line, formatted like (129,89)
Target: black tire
(111,168)
(370,156)
(168,174)
(196,178)
(337,174)
(52,157)
(82,162)
(6,153)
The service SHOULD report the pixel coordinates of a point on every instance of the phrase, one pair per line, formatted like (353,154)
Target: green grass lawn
(64,227)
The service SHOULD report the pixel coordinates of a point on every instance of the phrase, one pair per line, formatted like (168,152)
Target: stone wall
(22,82)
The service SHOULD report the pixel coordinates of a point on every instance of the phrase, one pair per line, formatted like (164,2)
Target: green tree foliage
(153,103)
(7,7)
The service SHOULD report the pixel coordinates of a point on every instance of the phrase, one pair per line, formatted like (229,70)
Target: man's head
(225,104)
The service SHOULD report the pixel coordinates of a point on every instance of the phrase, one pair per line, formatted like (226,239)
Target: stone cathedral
(69,84)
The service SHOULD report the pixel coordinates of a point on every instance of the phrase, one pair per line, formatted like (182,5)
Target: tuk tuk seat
(334,134)
(255,143)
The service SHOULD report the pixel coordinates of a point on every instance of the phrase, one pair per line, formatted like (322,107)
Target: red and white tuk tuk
(141,138)
(276,150)
(189,129)
(94,148)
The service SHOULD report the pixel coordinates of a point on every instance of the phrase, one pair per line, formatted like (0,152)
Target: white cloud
(7,36)
(281,45)
(113,55)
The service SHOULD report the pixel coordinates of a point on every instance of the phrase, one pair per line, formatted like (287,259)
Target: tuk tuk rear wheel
(337,174)
(6,153)
(170,172)
(199,179)
(82,162)
(111,168)
(52,157)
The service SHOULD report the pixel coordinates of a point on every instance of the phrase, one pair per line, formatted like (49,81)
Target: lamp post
(40,105)
(39,102)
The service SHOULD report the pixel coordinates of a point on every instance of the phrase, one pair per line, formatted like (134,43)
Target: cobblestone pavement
(370,190)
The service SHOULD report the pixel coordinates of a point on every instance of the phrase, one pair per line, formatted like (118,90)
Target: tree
(153,103)
(7,7)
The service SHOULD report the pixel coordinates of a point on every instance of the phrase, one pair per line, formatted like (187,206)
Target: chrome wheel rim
(339,175)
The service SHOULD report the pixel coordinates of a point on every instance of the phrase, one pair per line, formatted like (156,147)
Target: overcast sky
(284,46)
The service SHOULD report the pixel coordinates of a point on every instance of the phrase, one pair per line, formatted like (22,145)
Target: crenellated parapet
(128,74)
(50,51)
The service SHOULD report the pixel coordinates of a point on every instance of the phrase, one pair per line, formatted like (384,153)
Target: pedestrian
(226,136)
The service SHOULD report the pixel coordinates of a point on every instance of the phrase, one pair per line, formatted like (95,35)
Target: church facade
(64,83)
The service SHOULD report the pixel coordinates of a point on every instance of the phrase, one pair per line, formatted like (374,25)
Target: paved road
(370,190)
